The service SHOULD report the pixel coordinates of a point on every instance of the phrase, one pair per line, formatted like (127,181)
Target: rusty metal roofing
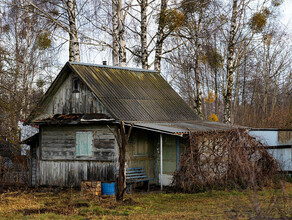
(134,94)
(180,128)
(75,118)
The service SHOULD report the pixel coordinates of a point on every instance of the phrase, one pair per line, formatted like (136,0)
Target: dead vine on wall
(220,160)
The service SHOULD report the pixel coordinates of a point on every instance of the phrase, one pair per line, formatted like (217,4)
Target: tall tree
(26,46)
(74,51)
(115,32)
(122,138)
(230,63)
(160,35)
(49,10)
(143,6)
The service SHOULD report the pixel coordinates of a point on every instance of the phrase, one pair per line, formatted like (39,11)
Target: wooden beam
(177,153)
(161,163)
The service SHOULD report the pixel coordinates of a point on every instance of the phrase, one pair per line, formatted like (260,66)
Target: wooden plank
(71,173)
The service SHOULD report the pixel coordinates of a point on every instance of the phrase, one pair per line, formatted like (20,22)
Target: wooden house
(74,141)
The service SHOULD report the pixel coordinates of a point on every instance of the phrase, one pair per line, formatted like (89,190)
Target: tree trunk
(122,42)
(160,37)
(122,139)
(115,33)
(275,93)
(143,6)
(197,45)
(236,99)
(266,94)
(230,65)
(244,82)
(216,93)
(74,52)
(122,160)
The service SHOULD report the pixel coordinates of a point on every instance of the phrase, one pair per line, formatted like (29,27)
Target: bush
(224,160)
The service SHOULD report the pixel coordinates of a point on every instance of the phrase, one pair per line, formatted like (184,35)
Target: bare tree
(230,63)
(160,35)
(74,52)
(122,138)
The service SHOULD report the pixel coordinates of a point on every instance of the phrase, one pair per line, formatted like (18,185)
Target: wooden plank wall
(61,166)
(71,173)
(66,102)
(142,139)
(33,165)
(59,143)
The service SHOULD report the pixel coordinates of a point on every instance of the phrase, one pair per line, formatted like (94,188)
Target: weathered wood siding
(59,143)
(146,159)
(61,166)
(71,173)
(33,165)
(64,101)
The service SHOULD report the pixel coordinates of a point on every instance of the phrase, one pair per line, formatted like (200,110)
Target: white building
(26,131)
(278,142)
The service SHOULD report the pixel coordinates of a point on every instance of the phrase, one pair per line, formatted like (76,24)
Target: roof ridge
(113,67)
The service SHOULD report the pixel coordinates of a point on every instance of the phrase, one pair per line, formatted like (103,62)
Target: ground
(270,203)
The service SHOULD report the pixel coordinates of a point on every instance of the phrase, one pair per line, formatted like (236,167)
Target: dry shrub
(223,160)
(14,170)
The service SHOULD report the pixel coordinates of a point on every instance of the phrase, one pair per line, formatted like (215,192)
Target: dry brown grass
(270,202)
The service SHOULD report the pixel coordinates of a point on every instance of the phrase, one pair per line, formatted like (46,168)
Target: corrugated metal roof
(180,128)
(134,95)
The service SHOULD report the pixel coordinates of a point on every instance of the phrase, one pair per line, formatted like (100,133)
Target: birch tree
(115,32)
(195,14)
(119,15)
(143,6)
(230,63)
(244,26)
(49,10)
(160,35)
(74,51)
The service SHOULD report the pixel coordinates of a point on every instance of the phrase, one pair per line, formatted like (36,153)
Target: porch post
(161,186)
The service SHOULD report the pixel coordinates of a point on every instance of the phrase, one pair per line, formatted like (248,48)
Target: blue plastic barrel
(108,188)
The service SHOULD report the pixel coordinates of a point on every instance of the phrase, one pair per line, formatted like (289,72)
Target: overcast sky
(287,14)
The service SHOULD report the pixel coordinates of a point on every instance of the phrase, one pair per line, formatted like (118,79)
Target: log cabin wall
(67,159)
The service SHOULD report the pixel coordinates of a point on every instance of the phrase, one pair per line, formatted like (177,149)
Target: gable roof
(130,94)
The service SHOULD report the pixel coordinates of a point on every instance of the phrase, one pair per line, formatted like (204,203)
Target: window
(83,143)
(75,85)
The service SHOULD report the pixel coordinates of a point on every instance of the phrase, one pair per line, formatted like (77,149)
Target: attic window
(75,85)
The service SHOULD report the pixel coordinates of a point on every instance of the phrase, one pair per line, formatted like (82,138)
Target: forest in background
(230,60)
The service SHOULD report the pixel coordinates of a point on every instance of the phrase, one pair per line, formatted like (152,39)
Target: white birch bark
(115,33)
(121,29)
(197,45)
(143,35)
(230,65)
(74,52)
(160,37)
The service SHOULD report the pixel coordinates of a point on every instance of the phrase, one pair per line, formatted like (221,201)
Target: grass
(268,203)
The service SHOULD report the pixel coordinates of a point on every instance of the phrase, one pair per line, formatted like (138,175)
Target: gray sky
(286,9)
